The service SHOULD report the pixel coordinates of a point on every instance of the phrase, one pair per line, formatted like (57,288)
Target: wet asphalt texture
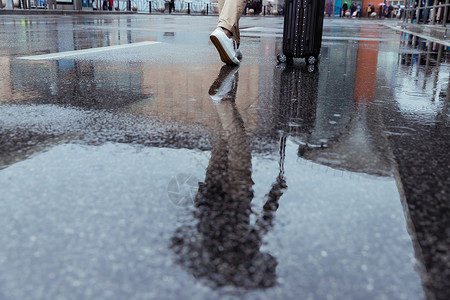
(147,169)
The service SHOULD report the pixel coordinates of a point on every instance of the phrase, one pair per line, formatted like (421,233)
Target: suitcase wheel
(310,59)
(282,58)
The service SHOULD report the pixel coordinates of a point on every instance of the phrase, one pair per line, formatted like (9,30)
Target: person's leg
(226,37)
(230,12)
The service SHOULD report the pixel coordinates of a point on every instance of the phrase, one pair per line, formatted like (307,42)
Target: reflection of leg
(232,130)
(228,182)
(223,89)
(227,247)
(239,153)
(223,93)
(218,164)
(224,86)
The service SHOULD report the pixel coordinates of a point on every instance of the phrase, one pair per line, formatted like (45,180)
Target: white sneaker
(223,86)
(225,45)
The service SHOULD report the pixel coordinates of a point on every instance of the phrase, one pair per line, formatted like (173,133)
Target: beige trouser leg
(230,12)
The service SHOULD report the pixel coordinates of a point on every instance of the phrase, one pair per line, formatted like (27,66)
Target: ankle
(227,32)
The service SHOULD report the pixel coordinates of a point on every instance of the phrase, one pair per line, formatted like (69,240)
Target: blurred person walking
(344,9)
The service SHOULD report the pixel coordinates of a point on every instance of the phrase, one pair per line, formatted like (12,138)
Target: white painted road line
(325,38)
(421,35)
(363,39)
(59,55)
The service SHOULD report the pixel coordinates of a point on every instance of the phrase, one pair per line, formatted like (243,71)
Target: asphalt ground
(134,165)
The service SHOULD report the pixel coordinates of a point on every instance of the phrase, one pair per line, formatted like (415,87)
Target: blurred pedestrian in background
(269,8)
(371,11)
(381,12)
(344,8)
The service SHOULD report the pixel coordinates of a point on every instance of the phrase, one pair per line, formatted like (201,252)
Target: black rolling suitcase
(303,26)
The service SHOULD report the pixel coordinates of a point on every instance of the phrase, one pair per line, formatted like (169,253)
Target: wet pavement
(145,169)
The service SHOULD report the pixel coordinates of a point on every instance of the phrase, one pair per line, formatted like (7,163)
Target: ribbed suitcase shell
(303,26)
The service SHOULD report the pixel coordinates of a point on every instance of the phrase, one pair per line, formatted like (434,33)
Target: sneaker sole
(223,54)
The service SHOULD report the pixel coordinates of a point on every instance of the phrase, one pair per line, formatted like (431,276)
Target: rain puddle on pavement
(133,179)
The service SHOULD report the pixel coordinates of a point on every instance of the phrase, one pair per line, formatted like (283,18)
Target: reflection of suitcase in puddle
(303,26)
(298,100)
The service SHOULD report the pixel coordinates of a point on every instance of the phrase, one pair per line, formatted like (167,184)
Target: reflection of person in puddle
(224,247)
